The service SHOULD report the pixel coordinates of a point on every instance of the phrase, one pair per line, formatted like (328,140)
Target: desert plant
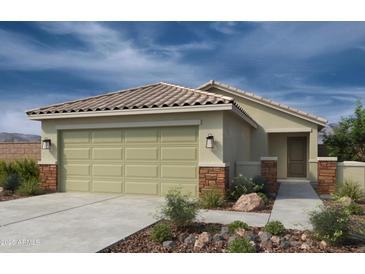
(12,182)
(27,169)
(232,227)
(6,168)
(240,245)
(30,187)
(330,223)
(211,199)
(161,232)
(263,197)
(354,209)
(275,228)
(350,189)
(242,185)
(180,209)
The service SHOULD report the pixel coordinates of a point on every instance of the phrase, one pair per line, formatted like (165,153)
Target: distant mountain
(18,137)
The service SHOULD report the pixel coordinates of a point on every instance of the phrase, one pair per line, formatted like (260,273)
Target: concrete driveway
(72,222)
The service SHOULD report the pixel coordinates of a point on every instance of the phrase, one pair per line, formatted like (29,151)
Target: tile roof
(249,95)
(157,95)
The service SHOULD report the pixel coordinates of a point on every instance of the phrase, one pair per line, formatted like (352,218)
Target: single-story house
(149,139)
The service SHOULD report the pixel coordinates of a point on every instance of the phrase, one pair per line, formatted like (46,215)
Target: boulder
(169,244)
(190,240)
(249,202)
(202,240)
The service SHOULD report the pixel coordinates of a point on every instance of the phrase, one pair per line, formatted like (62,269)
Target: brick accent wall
(326,176)
(213,178)
(14,151)
(48,174)
(269,170)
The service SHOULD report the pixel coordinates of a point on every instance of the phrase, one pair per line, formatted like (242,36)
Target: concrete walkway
(226,217)
(73,222)
(294,202)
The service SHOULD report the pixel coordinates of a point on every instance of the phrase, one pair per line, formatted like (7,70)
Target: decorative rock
(276,240)
(169,244)
(190,240)
(322,245)
(250,236)
(266,244)
(219,244)
(224,230)
(217,237)
(294,243)
(284,244)
(240,232)
(345,201)
(303,237)
(305,246)
(249,202)
(264,236)
(182,237)
(202,240)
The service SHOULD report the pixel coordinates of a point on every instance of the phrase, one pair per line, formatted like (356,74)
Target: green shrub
(350,189)
(27,169)
(354,209)
(211,199)
(161,232)
(6,168)
(242,185)
(330,223)
(263,197)
(275,228)
(235,225)
(240,245)
(180,209)
(30,187)
(12,182)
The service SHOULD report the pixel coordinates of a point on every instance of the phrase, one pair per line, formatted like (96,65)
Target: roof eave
(321,122)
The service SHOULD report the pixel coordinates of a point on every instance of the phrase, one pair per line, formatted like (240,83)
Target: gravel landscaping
(215,238)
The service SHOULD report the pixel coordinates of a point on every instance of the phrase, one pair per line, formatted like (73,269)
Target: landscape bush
(354,209)
(211,199)
(240,245)
(12,182)
(161,232)
(263,197)
(350,189)
(232,227)
(242,185)
(180,209)
(275,228)
(330,223)
(27,169)
(30,187)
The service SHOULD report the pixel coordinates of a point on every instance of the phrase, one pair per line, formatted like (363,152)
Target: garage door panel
(76,137)
(77,170)
(178,134)
(179,171)
(107,136)
(107,153)
(179,153)
(133,187)
(138,135)
(189,189)
(108,170)
(76,154)
(77,185)
(141,171)
(107,186)
(141,153)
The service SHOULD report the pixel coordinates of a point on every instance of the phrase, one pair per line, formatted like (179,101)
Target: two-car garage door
(133,160)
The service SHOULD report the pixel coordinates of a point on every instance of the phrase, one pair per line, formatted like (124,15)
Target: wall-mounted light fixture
(210,141)
(46,144)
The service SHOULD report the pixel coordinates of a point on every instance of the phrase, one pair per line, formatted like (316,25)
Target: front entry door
(297,157)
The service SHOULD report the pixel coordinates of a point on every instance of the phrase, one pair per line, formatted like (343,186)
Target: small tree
(347,141)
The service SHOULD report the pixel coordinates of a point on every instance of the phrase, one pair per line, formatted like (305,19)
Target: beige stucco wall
(352,171)
(236,140)
(269,118)
(211,122)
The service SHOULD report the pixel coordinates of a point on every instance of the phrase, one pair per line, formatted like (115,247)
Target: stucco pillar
(327,175)
(269,170)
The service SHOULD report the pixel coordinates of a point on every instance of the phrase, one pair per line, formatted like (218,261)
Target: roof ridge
(200,91)
(92,97)
(261,98)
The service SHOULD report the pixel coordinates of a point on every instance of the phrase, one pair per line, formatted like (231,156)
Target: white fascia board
(130,112)
(169,123)
(288,130)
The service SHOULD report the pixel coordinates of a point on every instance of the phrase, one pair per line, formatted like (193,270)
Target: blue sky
(317,67)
